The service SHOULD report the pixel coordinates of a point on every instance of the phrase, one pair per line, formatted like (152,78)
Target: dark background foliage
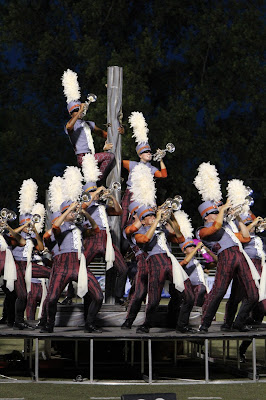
(194,68)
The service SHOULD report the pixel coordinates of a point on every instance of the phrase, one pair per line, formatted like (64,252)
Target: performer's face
(211,217)
(189,249)
(26,229)
(70,216)
(147,221)
(146,156)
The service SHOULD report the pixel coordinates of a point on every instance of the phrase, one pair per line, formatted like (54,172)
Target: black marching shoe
(127,324)
(226,328)
(185,329)
(90,328)
(143,329)
(22,325)
(47,329)
(66,302)
(120,301)
(40,324)
(241,328)
(242,357)
(203,329)
(3,321)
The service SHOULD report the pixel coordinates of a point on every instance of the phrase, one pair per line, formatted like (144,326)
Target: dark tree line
(194,68)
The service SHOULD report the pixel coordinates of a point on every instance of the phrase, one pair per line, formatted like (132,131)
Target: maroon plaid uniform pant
(160,270)
(238,294)
(140,288)
(104,159)
(124,204)
(200,294)
(33,299)
(231,262)
(65,270)
(96,245)
(38,271)
(2,261)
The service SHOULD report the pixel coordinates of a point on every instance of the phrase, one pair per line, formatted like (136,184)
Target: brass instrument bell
(160,154)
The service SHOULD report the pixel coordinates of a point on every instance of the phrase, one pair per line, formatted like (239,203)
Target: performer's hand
(159,214)
(73,206)
(227,205)
(107,146)
(99,189)
(257,220)
(121,130)
(199,245)
(81,108)
(95,194)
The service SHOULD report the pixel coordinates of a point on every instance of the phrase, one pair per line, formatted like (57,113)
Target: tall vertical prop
(114,120)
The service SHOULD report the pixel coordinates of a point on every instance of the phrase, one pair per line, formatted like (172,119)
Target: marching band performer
(163,265)
(256,251)
(219,237)
(140,129)
(26,267)
(191,265)
(69,263)
(38,288)
(143,191)
(55,199)
(9,238)
(79,131)
(101,243)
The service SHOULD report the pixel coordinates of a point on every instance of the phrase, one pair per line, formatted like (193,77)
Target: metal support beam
(142,357)
(254,361)
(91,360)
(132,354)
(206,360)
(36,360)
(150,360)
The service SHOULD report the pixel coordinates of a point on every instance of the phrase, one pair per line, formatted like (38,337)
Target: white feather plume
(55,193)
(139,125)
(27,196)
(72,183)
(184,223)
(90,169)
(143,185)
(39,208)
(208,182)
(237,193)
(71,85)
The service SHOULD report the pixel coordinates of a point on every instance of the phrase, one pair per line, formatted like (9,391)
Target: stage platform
(139,349)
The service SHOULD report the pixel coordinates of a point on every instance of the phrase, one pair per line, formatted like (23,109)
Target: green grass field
(38,391)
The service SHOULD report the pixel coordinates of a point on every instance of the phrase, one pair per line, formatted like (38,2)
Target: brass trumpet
(169,206)
(35,219)
(79,216)
(233,212)
(177,203)
(261,226)
(105,193)
(85,197)
(5,216)
(160,154)
(91,98)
